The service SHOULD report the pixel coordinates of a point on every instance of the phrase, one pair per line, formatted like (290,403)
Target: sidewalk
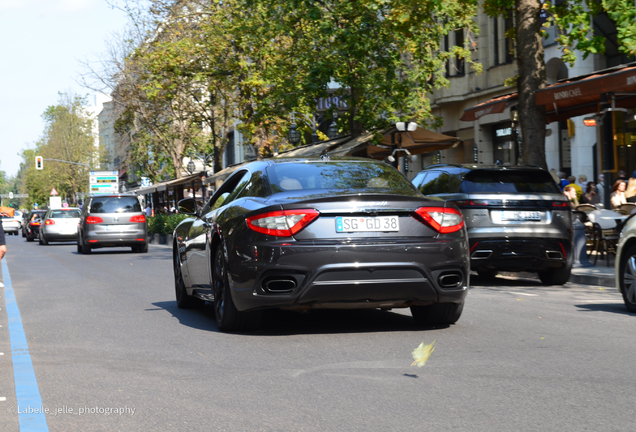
(599,275)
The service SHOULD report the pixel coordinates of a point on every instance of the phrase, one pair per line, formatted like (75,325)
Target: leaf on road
(422,353)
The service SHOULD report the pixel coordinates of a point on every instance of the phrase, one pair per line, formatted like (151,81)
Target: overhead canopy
(571,97)
(495,105)
(314,149)
(418,141)
(581,95)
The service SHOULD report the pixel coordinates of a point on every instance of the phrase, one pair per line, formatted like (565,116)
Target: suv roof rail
(445,165)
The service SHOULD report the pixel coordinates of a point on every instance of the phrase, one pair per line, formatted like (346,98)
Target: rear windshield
(354,176)
(61,214)
(115,205)
(509,182)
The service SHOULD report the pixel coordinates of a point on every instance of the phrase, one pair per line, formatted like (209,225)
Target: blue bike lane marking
(29,403)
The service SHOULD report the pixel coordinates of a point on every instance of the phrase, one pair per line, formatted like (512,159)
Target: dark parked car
(112,221)
(59,225)
(309,234)
(32,225)
(517,217)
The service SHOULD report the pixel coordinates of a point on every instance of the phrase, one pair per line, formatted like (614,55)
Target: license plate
(367,224)
(508,215)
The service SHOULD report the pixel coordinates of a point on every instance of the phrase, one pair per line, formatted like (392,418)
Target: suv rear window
(484,181)
(115,205)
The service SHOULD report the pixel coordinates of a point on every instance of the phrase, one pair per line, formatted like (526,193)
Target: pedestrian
(617,196)
(3,242)
(630,191)
(622,175)
(570,192)
(591,197)
(600,189)
(577,188)
(148,210)
(563,181)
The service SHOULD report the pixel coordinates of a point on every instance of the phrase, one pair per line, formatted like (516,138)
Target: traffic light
(39,162)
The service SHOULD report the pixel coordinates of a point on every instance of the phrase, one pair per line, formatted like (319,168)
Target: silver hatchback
(112,221)
(59,225)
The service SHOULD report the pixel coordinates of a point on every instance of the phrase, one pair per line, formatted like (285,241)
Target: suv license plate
(367,224)
(507,215)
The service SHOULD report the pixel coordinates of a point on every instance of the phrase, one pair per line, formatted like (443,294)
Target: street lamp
(406,126)
(333,132)
(190,167)
(293,136)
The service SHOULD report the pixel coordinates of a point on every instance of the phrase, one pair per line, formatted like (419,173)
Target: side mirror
(188,206)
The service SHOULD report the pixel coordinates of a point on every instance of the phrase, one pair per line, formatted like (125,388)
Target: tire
(29,238)
(79,246)
(184,301)
(42,240)
(23,234)
(85,248)
(557,276)
(228,318)
(437,314)
(143,248)
(627,278)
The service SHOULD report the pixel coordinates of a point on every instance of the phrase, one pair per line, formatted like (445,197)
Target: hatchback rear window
(355,176)
(61,214)
(509,182)
(115,205)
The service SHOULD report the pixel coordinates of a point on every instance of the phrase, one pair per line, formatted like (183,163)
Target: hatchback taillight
(283,223)
(94,220)
(138,219)
(35,223)
(49,222)
(441,219)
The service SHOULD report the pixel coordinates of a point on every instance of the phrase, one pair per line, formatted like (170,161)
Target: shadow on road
(284,323)
(618,308)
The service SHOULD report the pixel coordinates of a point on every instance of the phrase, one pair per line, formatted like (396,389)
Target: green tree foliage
(192,71)
(67,136)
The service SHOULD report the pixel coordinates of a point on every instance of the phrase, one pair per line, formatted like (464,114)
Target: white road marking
(2,399)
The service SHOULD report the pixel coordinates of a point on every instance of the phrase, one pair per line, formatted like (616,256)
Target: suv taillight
(563,205)
(138,219)
(283,223)
(441,219)
(94,220)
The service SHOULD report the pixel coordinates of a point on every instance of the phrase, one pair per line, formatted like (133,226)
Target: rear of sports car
(383,245)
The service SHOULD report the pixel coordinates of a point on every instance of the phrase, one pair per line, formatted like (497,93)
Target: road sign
(10,195)
(104,182)
(53,192)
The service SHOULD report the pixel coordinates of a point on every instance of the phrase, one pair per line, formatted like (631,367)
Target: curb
(582,279)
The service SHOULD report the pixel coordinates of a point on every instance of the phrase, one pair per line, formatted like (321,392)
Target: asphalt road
(104,332)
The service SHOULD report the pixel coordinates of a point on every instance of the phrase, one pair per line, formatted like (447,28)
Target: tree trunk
(531,62)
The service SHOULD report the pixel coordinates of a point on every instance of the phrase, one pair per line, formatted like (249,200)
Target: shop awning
(160,187)
(418,141)
(581,95)
(311,150)
(495,105)
(571,97)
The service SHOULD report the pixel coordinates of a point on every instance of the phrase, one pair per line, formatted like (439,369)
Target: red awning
(495,105)
(581,95)
(572,97)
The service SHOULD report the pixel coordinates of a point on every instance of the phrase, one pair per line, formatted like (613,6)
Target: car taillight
(94,220)
(49,222)
(441,219)
(560,204)
(34,223)
(283,223)
(138,219)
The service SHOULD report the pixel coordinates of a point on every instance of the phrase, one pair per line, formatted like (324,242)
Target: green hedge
(164,223)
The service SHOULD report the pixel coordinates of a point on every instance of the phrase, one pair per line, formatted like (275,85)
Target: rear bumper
(305,276)
(524,254)
(56,235)
(132,238)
